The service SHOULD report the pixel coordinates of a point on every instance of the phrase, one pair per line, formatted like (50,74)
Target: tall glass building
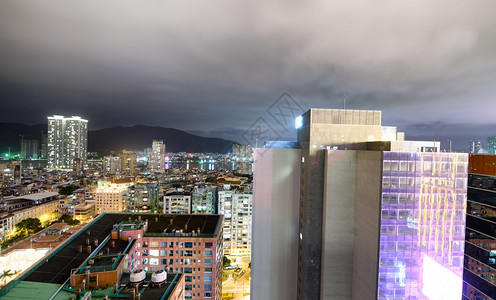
(422,225)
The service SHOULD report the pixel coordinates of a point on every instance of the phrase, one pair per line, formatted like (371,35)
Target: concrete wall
(276,196)
(337,224)
(367,224)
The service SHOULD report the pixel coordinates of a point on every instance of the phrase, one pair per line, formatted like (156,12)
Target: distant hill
(117,138)
(139,137)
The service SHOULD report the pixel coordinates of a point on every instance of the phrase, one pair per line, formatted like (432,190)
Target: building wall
(44,212)
(338,224)
(177,204)
(178,292)
(112,164)
(322,128)
(241,224)
(203,200)
(482,164)
(84,211)
(275,223)
(110,199)
(6,225)
(225,208)
(367,224)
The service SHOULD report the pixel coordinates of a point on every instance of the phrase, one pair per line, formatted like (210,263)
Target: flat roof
(37,196)
(57,267)
(206,224)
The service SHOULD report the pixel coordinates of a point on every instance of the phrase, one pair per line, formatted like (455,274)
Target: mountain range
(117,138)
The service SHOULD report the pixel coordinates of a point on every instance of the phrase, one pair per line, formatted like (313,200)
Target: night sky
(215,67)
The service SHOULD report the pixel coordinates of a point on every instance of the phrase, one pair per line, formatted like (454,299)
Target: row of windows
(205,295)
(189,287)
(156,252)
(208,245)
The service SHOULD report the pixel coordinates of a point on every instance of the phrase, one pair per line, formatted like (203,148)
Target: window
(154,252)
(188,270)
(188,278)
(208,262)
(145,252)
(154,261)
(163,244)
(209,245)
(208,287)
(208,270)
(208,278)
(208,295)
(208,253)
(154,244)
(163,261)
(188,245)
(163,252)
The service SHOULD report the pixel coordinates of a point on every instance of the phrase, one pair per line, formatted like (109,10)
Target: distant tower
(17,172)
(67,141)
(128,162)
(491,145)
(475,147)
(156,161)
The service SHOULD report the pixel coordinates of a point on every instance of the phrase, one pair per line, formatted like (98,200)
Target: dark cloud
(217,66)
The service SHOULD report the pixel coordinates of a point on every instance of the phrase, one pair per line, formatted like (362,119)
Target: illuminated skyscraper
(67,141)
(156,161)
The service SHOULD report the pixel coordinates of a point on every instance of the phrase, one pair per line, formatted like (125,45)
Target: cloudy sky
(214,67)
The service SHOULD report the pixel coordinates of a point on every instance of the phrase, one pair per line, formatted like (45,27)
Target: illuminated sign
(298,122)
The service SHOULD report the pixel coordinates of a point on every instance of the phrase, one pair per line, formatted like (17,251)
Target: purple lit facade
(422,227)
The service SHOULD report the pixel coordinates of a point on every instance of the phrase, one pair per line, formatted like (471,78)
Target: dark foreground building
(480,238)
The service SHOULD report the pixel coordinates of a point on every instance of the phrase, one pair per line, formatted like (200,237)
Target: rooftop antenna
(344,101)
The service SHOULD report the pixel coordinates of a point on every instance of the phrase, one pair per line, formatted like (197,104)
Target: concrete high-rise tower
(156,161)
(67,143)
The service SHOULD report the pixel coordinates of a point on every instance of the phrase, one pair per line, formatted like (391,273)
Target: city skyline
(213,70)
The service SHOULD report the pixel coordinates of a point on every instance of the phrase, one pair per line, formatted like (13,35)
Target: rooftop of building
(106,257)
(56,267)
(178,193)
(34,197)
(47,238)
(342,116)
(184,224)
